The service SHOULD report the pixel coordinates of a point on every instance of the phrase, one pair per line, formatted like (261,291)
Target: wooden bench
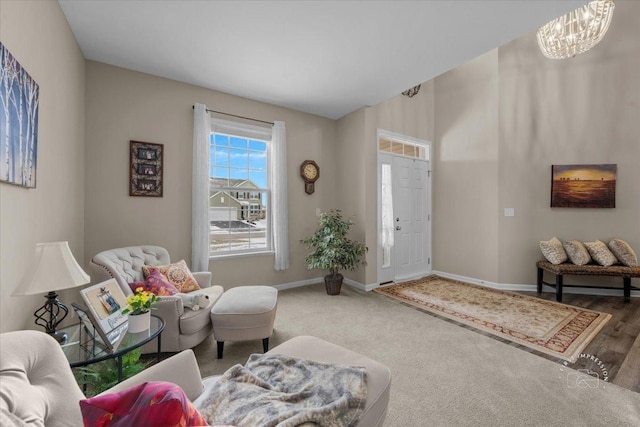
(586,270)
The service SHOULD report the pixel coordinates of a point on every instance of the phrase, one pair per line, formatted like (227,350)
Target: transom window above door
(403,148)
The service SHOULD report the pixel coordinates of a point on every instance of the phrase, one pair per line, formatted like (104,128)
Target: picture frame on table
(105,302)
(87,325)
(83,316)
(146,169)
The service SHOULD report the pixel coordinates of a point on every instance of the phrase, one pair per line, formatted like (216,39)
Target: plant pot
(333,284)
(139,322)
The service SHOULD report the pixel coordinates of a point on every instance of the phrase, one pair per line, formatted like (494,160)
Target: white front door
(410,256)
(411,206)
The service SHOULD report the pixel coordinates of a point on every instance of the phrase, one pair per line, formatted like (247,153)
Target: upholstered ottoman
(243,314)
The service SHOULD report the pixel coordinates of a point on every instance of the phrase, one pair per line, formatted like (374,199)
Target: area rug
(552,328)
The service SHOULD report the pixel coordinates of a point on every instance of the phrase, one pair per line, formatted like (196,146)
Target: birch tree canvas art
(19,96)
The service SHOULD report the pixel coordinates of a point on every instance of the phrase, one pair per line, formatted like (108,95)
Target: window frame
(254,133)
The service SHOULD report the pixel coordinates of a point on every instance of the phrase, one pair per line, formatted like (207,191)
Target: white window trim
(263,134)
(241,129)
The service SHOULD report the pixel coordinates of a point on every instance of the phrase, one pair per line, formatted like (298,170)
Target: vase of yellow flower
(139,308)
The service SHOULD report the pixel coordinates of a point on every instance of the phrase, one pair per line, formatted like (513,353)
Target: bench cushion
(590,269)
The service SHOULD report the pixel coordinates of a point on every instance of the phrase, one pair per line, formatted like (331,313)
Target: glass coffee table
(83,348)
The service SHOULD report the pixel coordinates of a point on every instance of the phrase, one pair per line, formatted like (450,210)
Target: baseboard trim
(415,277)
(316,280)
(480,282)
(486,283)
(532,288)
(359,285)
(299,283)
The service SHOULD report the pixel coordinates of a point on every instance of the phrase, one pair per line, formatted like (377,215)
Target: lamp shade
(53,268)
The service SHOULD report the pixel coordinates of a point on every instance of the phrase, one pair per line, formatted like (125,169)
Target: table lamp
(53,268)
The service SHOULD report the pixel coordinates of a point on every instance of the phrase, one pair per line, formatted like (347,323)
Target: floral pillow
(177,274)
(155,403)
(156,283)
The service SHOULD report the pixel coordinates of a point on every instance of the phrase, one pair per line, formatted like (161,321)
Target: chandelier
(577,31)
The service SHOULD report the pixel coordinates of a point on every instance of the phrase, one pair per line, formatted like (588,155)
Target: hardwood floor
(618,343)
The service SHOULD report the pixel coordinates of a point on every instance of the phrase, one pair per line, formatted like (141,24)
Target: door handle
(398,228)
(397,219)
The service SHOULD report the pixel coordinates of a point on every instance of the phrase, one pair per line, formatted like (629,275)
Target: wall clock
(310,172)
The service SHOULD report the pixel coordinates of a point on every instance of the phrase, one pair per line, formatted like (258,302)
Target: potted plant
(101,376)
(332,250)
(139,306)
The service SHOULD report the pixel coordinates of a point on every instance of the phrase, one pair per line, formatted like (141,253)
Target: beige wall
(125,105)
(350,172)
(497,124)
(465,216)
(412,117)
(357,166)
(503,119)
(37,34)
(582,110)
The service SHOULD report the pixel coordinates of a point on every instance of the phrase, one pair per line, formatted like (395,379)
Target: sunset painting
(583,186)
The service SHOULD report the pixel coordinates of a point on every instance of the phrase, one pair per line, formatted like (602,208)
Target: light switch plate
(509,212)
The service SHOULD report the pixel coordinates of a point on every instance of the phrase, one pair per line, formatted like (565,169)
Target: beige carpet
(442,374)
(550,327)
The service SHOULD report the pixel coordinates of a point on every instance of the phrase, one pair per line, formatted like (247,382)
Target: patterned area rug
(547,326)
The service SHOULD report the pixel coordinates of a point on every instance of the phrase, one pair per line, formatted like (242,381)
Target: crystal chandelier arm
(577,31)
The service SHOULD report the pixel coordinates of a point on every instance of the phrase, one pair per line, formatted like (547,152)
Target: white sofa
(37,387)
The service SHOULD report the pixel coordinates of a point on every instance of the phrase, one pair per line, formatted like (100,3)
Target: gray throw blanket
(283,391)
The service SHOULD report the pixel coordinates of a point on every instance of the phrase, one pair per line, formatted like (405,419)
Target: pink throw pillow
(156,283)
(156,403)
(177,274)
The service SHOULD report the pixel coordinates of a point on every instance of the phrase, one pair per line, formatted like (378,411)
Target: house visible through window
(239,192)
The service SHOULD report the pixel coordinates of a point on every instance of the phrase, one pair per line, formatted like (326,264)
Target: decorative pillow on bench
(553,251)
(623,251)
(578,254)
(601,253)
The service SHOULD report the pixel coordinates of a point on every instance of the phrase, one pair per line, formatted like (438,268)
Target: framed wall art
(19,99)
(583,186)
(146,169)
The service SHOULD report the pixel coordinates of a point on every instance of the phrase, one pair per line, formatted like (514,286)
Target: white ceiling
(322,57)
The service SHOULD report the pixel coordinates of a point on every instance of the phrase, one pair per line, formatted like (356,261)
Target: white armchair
(184,328)
(37,387)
